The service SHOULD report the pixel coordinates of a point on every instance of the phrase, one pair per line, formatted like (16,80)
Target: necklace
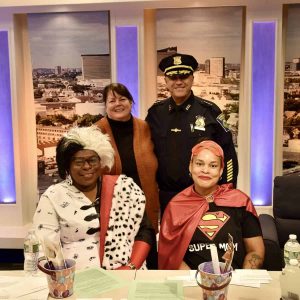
(210,198)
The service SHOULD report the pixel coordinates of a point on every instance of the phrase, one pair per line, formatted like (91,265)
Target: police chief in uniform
(179,122)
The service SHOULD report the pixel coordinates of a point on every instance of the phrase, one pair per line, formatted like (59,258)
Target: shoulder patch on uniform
(204,101)
(221,120)
(209,104)
(157,103)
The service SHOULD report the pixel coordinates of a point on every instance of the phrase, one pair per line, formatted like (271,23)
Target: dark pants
(152,258)
(164,199)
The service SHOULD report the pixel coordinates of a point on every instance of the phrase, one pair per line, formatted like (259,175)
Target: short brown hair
(118,88)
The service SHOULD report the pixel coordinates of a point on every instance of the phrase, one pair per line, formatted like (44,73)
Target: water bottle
(291,249)
(31,253)
(289,280)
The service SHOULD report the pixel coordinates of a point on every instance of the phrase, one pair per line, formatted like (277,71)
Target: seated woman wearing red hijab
(204,214)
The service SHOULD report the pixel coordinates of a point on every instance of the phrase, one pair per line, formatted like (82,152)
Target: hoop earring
(69,180)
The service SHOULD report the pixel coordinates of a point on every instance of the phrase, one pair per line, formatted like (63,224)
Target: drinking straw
(215,258)
(50,263)
(53,250)
(61,253)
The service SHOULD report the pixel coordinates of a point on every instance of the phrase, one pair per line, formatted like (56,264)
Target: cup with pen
(215,276)
(60,271)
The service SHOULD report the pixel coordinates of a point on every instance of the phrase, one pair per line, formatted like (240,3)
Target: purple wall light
(7,174)
(262,114)
(127,61)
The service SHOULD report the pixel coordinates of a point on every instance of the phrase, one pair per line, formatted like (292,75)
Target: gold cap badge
(177,60)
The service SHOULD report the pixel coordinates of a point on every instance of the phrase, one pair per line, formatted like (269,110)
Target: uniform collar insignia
(186,106)
(172,105)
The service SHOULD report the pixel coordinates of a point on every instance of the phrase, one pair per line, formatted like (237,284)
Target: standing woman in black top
(134,156)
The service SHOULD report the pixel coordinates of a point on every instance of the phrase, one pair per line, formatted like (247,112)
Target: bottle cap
(294,262)
(293,236)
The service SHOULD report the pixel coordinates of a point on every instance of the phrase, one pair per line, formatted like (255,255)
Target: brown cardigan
(145,160)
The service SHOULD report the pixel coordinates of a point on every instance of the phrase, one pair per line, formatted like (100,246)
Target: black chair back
(286,207)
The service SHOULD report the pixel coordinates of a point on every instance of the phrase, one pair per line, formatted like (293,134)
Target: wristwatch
(131,265)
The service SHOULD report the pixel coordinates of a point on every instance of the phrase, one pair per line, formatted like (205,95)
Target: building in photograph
(207,66)
(57,70)
(217,66)
(47,134)
(87,108)
(46,150)
(95,66)
(295,65)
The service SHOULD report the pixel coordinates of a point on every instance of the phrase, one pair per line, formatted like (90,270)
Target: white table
(115,294)
(269,291)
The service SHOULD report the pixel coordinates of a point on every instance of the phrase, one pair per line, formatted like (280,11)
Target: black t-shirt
(214,227)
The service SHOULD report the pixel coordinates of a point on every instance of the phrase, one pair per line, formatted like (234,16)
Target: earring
(190,174)
(220,177)
(69,180)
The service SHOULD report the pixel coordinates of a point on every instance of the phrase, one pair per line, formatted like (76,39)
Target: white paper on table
(246,277)
(40,295)
(254,274)
(236,280)
(243,277)
(6,281)
(99,298)
(34,287)
(252,278)
(187,280)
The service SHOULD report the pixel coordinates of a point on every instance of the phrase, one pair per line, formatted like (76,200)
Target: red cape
(182,216)
(107,190)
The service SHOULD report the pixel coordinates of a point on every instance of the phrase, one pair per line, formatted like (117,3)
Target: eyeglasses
(93,161)
(178,76)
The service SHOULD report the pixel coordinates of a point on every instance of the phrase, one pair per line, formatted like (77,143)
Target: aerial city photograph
(70,70)
(291,114)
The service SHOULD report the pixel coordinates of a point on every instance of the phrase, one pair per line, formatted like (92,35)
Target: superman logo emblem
(211,223)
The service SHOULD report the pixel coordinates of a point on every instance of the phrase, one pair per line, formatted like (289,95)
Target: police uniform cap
(177,64)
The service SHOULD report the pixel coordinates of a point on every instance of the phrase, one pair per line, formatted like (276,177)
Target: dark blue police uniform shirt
(176,129)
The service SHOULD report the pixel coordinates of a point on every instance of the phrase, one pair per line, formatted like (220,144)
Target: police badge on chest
(199,124)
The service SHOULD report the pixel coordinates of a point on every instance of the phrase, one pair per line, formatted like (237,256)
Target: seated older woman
(204,214)
(98,219)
